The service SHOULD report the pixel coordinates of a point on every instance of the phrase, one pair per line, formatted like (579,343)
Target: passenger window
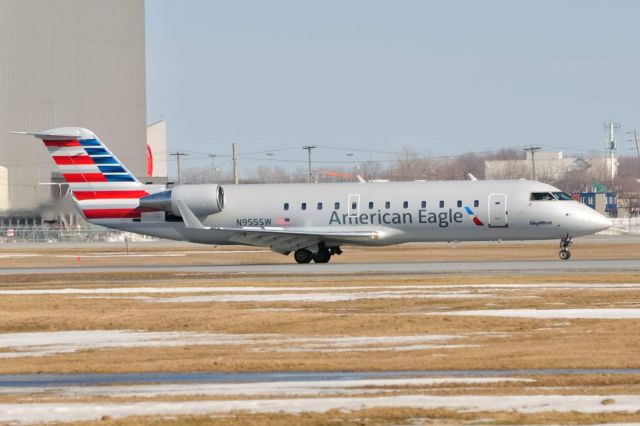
(476,203)
(303,206)
(371,204)
(541,196)
(319,206)
(387,205)
(459,203)
(336,206)
(441,204)
(405,204)
(423,205)
(286,206)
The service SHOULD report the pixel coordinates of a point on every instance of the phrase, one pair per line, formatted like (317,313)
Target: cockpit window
(541,196)
(562,196)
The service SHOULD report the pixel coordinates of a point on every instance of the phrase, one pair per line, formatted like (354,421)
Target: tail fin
(101,185)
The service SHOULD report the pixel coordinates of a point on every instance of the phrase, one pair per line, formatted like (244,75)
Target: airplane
(314,220)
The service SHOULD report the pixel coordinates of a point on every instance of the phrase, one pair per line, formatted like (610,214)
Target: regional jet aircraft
(314,220)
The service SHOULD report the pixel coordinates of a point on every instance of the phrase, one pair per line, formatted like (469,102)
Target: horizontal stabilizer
(57,134)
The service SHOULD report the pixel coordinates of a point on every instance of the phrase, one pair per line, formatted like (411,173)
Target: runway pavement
(543,267)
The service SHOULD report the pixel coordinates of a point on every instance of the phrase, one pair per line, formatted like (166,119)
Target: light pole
(213,167)
(350,156)
(269,155)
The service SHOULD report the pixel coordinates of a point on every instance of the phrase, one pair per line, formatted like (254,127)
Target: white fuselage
(400,212)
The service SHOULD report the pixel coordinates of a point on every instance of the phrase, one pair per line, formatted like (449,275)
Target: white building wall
(69,63)
(157,141)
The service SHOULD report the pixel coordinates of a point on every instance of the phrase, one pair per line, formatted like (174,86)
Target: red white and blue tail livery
(100,184)
(314,220)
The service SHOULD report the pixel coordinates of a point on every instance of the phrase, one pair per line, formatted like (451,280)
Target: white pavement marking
(437,289)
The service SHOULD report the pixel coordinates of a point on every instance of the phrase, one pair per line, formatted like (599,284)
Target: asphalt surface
(544,267)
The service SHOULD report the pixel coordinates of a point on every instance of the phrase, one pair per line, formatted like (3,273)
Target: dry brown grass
(376,417)
(527,343)
(531,343)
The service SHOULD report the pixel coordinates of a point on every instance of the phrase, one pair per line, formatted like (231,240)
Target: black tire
(565,254)
(322,256)
(303,256)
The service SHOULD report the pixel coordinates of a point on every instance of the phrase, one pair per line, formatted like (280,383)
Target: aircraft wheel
(323,255)
(303,256)
(565,254)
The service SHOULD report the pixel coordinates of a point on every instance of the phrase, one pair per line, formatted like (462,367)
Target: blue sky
(358,76)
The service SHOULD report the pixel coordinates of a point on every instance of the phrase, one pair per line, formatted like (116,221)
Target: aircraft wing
(283,240)
(279,239)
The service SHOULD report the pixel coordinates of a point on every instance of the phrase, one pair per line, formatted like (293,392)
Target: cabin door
(353,205)
(498,211)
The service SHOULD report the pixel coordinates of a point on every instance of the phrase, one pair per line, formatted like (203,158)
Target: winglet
(190,219)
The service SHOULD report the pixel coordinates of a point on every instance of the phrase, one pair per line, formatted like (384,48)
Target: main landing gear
(565,243)
(321,255)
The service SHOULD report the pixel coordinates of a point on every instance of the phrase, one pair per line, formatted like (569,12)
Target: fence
(44,234)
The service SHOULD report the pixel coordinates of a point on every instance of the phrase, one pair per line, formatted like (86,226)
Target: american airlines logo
(442,218)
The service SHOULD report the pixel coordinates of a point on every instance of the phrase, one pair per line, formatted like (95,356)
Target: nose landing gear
(565,243)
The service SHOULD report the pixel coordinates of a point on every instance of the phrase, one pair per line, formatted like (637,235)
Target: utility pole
(213,167)
(610,147)
(532,149)
(234,157)
(269,155)
(309,148)
(178,155)
(635,137)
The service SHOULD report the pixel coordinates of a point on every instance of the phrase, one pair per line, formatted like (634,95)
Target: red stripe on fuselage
(133,213)
(71,142)
(84,177)
(67,160)
(107,195)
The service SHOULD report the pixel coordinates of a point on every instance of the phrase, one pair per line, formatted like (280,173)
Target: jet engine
(202,200)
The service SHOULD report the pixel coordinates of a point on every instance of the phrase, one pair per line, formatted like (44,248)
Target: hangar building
(69,63)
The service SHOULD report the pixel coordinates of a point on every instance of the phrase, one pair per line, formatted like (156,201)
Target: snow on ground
(283,388)
(316,297)
(611,313)
(230,289)
(60,412)
(17,345)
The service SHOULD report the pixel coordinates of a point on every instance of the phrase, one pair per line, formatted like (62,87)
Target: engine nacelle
(202,200)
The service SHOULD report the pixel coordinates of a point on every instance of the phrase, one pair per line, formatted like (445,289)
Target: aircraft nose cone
(597,222)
